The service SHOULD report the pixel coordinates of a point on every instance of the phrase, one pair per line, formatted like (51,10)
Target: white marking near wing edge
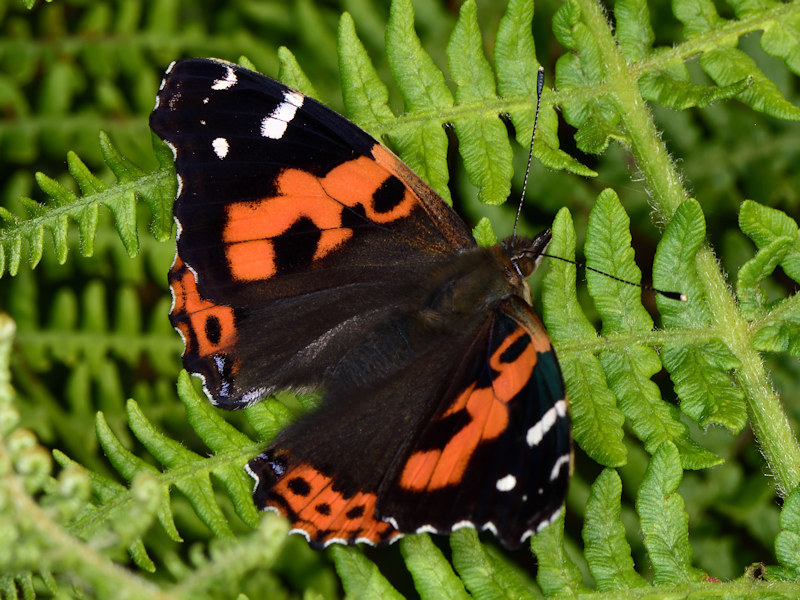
(274,125)
(543,425)
(562,460)
(226,82)
(507,483)
(221,147)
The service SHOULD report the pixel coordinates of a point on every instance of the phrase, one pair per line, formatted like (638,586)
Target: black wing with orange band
(283,207)
(494,453)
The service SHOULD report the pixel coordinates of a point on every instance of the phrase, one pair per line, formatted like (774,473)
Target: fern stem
(733,29)
(643,137)
(764,409)
(767,417)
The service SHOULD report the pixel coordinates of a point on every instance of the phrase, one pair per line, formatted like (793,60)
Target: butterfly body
(311,258)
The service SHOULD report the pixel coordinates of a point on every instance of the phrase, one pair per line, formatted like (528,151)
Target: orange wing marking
(250,226)
(213,325)
(326,515)
(488,411)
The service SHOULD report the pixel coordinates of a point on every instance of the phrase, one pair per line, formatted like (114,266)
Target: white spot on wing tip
(537,432)
(303,533)
(273,128)
(294,98)
(462,525)
(221,147)
(507,483)
(274,125)
(226,82)
(172,147)
(257,480)
(489,527)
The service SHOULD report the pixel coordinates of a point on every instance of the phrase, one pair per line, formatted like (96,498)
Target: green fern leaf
(483,233)
(596,420)
(558,576)
(664,521)
(634,33)
(780,39)
(753,300)
(195,484)
(433,575)
(629,366)
(730,65)
(422,145)
(482,572)
(727,65)
(594,115)
(221,438)
(787,542)
(776,235)
(670,87)
(291,72)
(361,577)
(483,140)
(606,550)
(128,465)
(699,370)
(64,205)
(516,64)
(365,96)
(697,16)
(765,225)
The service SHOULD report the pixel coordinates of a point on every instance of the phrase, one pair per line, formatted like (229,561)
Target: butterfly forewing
(496,454)
(290,218)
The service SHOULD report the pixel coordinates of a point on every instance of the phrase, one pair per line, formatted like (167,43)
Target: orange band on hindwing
(308,498)
(488,412)
(312,207)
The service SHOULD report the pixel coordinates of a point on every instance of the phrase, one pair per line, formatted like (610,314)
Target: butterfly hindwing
(501,408)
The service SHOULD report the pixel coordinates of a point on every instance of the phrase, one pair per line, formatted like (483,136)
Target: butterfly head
(525,253)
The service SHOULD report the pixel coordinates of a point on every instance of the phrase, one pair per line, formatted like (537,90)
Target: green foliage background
(115,482)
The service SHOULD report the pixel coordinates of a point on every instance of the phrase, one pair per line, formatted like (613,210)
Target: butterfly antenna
(539,88)
(671,295)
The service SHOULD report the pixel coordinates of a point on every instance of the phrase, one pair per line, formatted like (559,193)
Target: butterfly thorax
(479,279)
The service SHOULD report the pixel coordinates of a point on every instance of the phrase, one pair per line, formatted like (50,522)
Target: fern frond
(156,190)
(596,420)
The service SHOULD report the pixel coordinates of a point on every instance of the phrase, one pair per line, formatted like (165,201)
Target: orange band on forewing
(249,226)
(330,240)
(189,303)
(251,260)
(355,182)
(488,411)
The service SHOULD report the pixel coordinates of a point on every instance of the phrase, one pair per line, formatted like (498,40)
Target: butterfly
(310,257)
